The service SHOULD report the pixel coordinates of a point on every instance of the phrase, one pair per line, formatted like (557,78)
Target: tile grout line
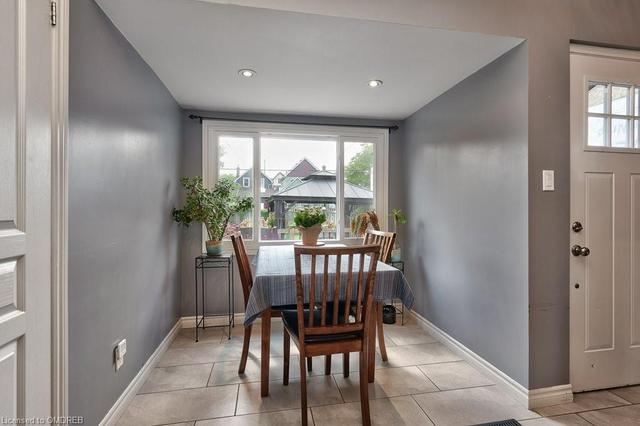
(581,417)
(235,410)
(422,409)
(210,374)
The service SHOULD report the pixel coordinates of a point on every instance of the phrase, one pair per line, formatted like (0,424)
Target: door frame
(602,52)
(59,211)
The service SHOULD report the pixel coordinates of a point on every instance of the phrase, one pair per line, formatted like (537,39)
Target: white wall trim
(552,395)
(59,213)
(604,52)
(136,383)
(529,398)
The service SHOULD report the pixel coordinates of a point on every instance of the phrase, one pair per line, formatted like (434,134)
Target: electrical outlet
(548,180)
(119,352)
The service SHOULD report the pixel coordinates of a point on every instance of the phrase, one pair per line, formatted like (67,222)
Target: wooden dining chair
(246,278)
(385,240)
(328,327)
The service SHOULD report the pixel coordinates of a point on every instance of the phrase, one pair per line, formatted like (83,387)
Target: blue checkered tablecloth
(275,280)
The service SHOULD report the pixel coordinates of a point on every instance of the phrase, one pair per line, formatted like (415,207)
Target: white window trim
(211,129)
(247,180)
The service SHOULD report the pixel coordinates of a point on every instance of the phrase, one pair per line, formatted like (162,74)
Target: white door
(605,211)
(25,208)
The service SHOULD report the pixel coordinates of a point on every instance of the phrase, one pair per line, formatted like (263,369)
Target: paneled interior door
(25,208)
(605,211)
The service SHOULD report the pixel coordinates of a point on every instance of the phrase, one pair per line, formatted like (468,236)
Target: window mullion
(340,227)
(256,187)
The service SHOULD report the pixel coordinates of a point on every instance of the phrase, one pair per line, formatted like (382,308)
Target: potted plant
(269,231)
(399,218)
(211,207)
(362,221)
(309,222)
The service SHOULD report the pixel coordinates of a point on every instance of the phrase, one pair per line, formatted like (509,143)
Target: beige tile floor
(423,383)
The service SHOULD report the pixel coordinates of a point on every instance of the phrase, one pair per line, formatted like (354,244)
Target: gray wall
(548,26)
(192,166)
(467,153)
(124,164)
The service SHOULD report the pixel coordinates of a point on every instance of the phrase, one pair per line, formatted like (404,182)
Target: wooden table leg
(372,345)
(264,356)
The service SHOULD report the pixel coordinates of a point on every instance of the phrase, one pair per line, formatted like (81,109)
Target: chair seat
(290,320)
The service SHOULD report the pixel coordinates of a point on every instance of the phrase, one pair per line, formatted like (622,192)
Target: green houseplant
(309,222)
(399,218)
(211,207)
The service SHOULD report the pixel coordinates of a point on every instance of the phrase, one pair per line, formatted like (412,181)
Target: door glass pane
(636,132)
(298,172)
(637,101)
(596,131)
(619,133)
(236,162)
(597,97)
(620,100)
(359,183)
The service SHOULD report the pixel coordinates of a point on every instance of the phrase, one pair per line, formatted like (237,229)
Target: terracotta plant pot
(310,235)
(214,247)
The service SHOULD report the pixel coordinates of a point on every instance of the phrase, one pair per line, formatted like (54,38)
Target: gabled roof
(322,184)
(302,169)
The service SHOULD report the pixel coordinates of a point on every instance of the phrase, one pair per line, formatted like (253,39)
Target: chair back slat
(336,291)
(244,266)
(348,290)
(325,285)
(358,288)
(385,240)
(312,289)
(331,322)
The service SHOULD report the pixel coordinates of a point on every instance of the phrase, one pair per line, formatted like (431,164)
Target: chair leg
(345,364)
(245,349)
(383,347)
(327,365)
(309,363)
(303,389)
(287,346)
(364,389)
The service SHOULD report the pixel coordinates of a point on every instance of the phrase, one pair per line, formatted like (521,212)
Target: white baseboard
(529,398)
(213,321)
(552,395)
(136,383)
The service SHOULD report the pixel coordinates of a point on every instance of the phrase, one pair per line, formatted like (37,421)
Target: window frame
(608,116)
(213,129)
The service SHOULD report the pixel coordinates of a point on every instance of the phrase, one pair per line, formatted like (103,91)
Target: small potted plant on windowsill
(211,207)
(309,222)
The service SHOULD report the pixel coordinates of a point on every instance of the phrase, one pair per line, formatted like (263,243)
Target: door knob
(577,250)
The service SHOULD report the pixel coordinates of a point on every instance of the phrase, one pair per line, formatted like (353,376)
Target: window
(613,116)
(340,169)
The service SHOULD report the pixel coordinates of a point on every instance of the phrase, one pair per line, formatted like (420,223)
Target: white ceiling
(306,64)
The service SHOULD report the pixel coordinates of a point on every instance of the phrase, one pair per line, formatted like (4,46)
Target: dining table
(274,285)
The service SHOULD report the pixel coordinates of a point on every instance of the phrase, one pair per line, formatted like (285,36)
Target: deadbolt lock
(576,226)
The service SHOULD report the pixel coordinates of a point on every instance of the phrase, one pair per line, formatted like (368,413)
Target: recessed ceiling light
(374,83)
(246,72)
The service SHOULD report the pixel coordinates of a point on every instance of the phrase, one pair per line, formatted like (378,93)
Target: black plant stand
(202,263)
(400,266)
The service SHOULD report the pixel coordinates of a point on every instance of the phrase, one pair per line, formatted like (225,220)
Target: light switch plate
(548,180)
(118,353)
